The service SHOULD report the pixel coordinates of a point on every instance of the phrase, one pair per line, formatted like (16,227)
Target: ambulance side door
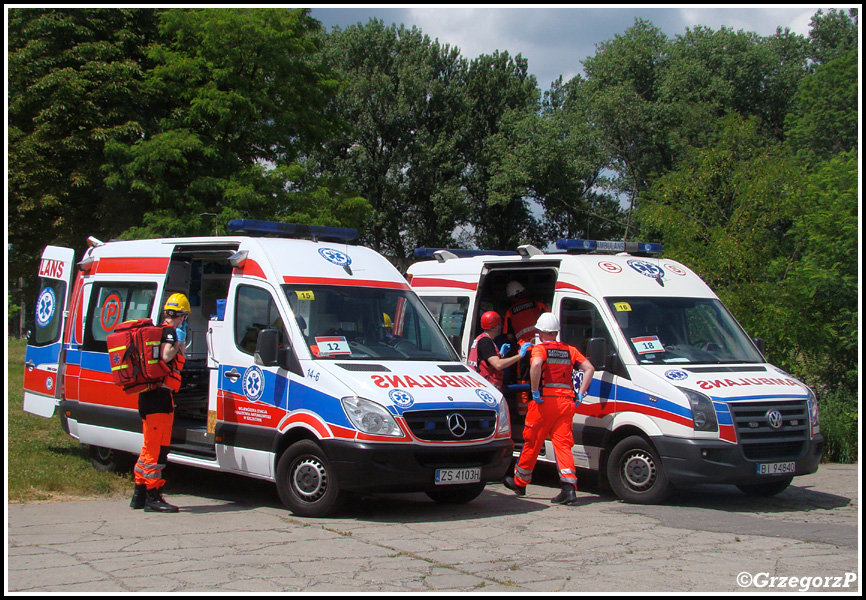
(43,355)
(581,320)
(252,398)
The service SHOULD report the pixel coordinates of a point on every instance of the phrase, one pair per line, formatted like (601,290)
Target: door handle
(233,375)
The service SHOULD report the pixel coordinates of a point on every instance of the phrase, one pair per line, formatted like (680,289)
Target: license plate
(782,468)
(455,476)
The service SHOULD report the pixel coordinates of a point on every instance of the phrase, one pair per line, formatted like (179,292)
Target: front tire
(460,494)
(306,481)
(636,473)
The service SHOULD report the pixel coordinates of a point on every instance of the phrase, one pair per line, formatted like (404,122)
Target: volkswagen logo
(774,419)
(457,425)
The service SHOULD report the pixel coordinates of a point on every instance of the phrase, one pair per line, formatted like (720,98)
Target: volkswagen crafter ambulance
(310,363)
(681,394)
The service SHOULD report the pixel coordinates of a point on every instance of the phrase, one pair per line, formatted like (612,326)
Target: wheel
(306,481)
(769,488)
(458,494)
(110,460)
(635,472)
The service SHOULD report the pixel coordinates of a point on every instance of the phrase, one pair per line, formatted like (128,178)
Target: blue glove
(536,395)
(525,348)
(503,351)
(580,397)
(181,333)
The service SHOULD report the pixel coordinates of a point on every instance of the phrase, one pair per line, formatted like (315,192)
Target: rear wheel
(459,494)
(769,488)
(306,481)
(635,472)
(108,459)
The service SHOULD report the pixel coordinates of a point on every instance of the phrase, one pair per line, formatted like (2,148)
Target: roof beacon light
(291,230)
(585,246)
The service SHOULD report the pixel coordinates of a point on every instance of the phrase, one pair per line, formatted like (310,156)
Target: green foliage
(235,97)
(824,119)
(839,417)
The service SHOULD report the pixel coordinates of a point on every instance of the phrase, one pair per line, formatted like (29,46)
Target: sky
(555,40)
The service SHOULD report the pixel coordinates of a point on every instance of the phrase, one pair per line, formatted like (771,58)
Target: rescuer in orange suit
(488,359)
(156,408)
(552,412)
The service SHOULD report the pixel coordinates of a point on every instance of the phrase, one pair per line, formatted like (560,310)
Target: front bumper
(707,461)
(367,467)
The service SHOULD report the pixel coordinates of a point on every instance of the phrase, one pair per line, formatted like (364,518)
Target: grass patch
(44,463)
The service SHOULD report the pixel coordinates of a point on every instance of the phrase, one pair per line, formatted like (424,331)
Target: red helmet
(490,320)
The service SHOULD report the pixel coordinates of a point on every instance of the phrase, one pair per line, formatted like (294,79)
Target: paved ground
(710,539)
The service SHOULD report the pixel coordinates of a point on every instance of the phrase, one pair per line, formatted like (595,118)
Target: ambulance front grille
(451,425)
(760,440)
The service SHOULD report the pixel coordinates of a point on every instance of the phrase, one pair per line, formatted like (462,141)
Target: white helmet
(513,288)
(547,323)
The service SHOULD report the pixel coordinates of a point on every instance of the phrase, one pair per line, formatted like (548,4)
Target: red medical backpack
(133,351)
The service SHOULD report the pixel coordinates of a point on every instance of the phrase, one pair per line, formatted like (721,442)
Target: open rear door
(42,359)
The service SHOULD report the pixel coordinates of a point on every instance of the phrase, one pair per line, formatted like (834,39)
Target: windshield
(682,330)
(343,322)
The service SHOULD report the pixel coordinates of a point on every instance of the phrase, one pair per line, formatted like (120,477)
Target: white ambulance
(681,395)
(310,363)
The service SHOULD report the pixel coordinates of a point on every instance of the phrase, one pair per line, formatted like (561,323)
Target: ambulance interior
(203,275)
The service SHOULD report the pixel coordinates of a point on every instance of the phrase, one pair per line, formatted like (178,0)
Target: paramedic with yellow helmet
(156,408)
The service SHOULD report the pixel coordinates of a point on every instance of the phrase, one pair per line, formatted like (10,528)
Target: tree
(832,34)
(76,79)
(498,90)
(401,103)
(824,118)
(235,97)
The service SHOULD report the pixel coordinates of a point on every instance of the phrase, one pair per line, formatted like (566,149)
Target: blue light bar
(578,246)
(426,253)
(291,230)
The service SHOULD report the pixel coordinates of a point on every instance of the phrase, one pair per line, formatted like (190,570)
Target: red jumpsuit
(521,318)
(156,409)
(554,415)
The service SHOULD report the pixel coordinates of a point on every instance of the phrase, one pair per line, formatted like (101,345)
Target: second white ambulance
(681,394)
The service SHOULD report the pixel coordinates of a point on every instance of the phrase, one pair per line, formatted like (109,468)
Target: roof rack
(587,246)
(449,253)
(292,230)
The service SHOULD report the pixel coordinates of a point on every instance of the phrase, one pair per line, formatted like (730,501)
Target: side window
(450,312)
(112,304)
(255,310)
(581,321)
(49,310)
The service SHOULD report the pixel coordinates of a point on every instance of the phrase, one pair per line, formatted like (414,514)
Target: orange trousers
(553,418)
(151,461)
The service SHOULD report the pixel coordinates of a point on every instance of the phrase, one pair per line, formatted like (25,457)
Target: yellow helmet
(387,320)
(177,303)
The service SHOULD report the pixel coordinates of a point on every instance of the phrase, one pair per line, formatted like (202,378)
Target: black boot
(138,496)
(156,503)
(509,482)
(566,496)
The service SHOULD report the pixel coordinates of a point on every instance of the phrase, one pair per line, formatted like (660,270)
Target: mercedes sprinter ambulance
(310,363)
(680,395)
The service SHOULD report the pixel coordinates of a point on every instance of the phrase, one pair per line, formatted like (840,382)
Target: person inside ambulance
(522,313)
(156,408)
(486,357)
(552,410)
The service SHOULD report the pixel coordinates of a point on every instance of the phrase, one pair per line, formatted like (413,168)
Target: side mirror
(268,348)
(596,349)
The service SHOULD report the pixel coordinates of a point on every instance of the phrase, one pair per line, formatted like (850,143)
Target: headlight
(813,412)
(703,412)
(369,417)
(504,418)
